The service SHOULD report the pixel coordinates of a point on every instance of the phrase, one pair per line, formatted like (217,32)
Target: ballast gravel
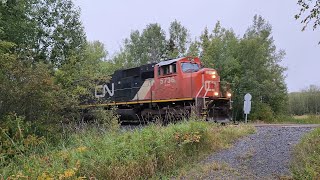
(263,155)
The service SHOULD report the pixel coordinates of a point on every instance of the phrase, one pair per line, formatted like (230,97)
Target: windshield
(189,67)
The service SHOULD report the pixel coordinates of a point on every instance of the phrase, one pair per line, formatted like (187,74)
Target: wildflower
(77,164)
(69,173)
(45,176)
(82,149)
(177,136)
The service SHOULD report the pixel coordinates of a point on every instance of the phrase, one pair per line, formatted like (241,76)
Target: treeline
(305,102)
(47,64)
(248,63)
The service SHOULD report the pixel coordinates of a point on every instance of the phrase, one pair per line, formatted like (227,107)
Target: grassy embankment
(306,162)
(305,119)
(154,151)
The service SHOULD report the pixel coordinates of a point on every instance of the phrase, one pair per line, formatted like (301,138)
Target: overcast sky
(112,21)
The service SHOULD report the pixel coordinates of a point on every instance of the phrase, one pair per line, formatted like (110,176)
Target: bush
(262,111)
(306,162)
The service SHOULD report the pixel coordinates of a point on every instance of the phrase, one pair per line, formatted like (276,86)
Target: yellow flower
(69,173)
(82,149)
(45,176)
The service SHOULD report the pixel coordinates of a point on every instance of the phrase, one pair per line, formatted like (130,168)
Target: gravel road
(263,155)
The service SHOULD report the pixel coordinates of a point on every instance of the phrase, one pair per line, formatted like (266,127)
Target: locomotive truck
(165,91)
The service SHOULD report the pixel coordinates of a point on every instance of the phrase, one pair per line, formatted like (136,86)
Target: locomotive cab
(185,78)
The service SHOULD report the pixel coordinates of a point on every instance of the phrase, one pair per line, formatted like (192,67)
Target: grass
(153,151)
(306,162)
(305,119)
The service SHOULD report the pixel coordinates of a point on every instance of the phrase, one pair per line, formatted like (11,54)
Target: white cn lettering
(103,92)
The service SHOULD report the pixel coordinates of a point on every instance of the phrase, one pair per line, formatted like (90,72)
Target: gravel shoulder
(263,155)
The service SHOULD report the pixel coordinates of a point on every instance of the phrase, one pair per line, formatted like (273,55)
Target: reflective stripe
(134,102)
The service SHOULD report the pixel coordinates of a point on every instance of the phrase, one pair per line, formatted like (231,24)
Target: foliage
(17,139)
(312,16)
(193,49)
(306,161)
(151,45)
(26,89)
(44,31)
(79,76)
(178,39)
(138,154)
(46,65)
(145,47)
(262,111)
(305,102)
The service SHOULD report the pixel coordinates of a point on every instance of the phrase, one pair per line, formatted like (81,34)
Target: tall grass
(138,154)
(305,119)
(306,162)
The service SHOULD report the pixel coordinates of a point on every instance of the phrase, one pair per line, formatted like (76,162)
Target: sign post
(247,105)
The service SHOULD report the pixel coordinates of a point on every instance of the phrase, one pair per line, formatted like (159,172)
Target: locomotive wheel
(157,119)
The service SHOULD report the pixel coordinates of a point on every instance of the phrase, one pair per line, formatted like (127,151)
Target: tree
(143,47)
(313,16)
(78,77)
(193,49)
(38,41)
(305,101)
(43,31)
(154,40)
(178,40)
(26,89)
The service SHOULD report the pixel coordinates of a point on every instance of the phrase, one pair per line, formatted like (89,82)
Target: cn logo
(102,89)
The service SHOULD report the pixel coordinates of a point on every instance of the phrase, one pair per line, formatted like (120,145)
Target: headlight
(213,76)
(211,72)
(216,93)
(228,94)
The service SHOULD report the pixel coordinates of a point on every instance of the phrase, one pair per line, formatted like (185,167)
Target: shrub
(262,111)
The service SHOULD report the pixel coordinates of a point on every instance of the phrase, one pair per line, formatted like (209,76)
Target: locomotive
(171,89)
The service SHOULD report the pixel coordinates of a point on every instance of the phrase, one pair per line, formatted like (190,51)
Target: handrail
(204,98)
(198,95)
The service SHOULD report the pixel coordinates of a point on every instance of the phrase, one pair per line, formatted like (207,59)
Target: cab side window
(168,69)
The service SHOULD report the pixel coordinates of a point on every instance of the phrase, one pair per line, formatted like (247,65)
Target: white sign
(103,92)
(247,103)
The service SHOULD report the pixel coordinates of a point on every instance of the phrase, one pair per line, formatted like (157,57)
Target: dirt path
(263,155)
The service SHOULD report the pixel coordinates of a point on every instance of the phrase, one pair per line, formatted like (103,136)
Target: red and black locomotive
(166,90)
